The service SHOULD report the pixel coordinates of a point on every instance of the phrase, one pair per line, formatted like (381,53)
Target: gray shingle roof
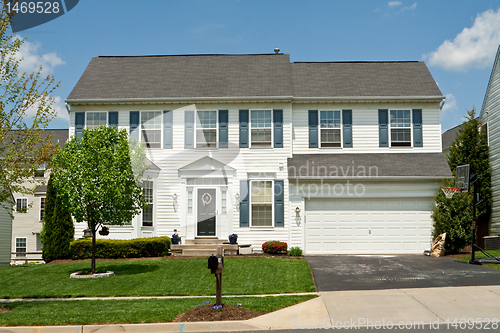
(184,76)
(449,136)
(262,75)
(432,165)
(344,79)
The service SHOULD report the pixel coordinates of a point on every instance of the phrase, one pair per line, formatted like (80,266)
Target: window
(38,243)
(96,119)
(261,197)
(224,200)
(147,213)
(400,128)
(330,129)
(20,247)
(190,201)
(151,128)
(40,171)
(42,208)
(261,128)
(21,205)
(206,129)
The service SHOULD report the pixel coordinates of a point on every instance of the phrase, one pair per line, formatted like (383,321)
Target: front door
(206,212)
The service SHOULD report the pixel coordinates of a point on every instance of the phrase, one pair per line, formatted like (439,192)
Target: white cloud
(32,60)
(450,103)
(412,7)
(394,3)
(473,47)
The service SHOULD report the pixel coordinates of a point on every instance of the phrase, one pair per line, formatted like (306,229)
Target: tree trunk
(93,248)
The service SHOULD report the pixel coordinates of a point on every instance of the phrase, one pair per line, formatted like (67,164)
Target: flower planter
(233,240)
(175,240)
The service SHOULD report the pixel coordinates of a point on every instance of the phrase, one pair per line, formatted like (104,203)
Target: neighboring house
(490,120)
(5,235)
(449,137)
(341,157)
(28,211)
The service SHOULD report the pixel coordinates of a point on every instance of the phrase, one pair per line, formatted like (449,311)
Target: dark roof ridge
(187,55)
(356,62)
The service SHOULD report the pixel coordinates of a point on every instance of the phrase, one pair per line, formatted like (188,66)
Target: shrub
(295,252)
(274,247)
(114,248)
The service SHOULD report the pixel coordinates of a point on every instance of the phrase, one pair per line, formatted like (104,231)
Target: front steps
(204,247)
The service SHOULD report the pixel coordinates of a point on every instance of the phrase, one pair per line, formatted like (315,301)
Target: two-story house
(341,157)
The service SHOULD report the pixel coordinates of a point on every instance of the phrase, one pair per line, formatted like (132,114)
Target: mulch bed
(207,313)
(5,309)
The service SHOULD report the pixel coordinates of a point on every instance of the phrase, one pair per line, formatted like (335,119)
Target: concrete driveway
(342,273)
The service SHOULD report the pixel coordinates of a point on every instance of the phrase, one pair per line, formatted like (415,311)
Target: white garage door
(368,226)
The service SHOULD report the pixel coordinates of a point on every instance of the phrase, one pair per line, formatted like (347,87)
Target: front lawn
(159,277)
(86,312)
(479,254)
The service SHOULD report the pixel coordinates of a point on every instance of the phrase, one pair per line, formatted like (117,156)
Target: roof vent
(277,50)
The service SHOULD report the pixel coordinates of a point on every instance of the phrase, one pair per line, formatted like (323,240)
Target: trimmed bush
(274,247)
(295,252)
(115,248)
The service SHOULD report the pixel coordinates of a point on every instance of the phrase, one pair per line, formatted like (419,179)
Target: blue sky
(457,39)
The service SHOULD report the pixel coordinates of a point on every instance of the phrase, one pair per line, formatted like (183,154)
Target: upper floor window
(206,129)
(96,119)
(21,205)
(400,122)
(147,213)
(151,128)
(261,128)
(330,129)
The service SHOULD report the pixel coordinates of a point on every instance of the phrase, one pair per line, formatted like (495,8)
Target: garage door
(368,226)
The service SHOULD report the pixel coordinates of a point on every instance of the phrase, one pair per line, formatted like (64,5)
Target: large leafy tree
(58,230)
(99,178)
(454,216)
(25,110)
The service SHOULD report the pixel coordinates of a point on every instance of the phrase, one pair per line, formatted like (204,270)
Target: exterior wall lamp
(175,203)
(237,201)
(297,216)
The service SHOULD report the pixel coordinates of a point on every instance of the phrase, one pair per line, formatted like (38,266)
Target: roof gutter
(375,178)
(368,98)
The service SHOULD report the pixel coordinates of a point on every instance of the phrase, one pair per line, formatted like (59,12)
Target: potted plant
(233,238)
(176,238)
(104,231)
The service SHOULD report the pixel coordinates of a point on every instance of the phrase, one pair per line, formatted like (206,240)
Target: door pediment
(206,167)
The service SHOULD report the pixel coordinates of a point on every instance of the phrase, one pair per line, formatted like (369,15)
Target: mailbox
(215,262)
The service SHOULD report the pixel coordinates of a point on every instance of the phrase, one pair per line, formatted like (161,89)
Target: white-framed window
(190,200)
(330,129)
(40,171)
(206,129)
(223,192)
(95,119)
(42,207)
(147,213)
(261,201)
(400,128)
(38,242)
(261,128)
(21,205)
(151,128)
(21,247)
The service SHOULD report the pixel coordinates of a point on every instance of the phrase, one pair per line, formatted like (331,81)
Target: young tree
(58,230)
(22,145)
(96,180)
(454,216)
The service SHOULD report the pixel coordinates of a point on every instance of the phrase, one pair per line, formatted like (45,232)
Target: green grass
(84,312)
(479,254)
(159,277)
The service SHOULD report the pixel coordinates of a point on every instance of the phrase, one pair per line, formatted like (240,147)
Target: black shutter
(278,128)
(188,129)
(417,128)
(134,125)
(223,128)
(244,115)
(279,203)
(347,122)
(244,203)
(383,127)
(313,128)
(79,124)
(168,126)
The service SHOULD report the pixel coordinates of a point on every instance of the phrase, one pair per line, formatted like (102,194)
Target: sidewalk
(343,308)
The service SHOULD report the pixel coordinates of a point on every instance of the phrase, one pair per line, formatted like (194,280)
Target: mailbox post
(216,265)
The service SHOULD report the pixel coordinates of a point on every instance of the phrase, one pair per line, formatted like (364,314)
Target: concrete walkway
(355,308)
